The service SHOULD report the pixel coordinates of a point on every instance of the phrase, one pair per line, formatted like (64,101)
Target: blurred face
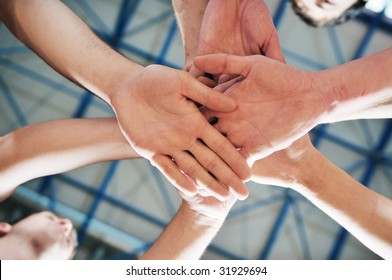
(322,11)
(44,236)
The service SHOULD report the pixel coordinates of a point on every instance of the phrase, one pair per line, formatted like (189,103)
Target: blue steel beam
(126,12)
(44,184)
(344,143)
(13,103)
(276,228)
(387,161)
(304,60)
(18,50)
(303,239)
(387,173)
(97,199)
(151,22)
(364,125)
(37,77)
(55,85)
(145,55)
(333,38)
(167,43)
(368,35)
(85,101)
(318,134)
(367,17)
(48,185)
(112,200)
(161,188)
(279,12)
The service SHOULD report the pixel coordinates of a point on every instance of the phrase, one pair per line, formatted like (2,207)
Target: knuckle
(212,164)
(191,169)
(222,145)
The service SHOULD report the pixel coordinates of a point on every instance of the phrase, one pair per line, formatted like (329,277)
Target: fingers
(225,78)
(225,64)
(208,82)
(173,174)
(226,151)
(216,166)
(195,72)
(209,98)
(191,167)
(222,87)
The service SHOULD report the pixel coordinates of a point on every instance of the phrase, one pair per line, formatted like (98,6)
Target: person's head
(39,236)
(319,13)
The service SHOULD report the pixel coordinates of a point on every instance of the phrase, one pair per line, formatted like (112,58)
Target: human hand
(276,103)
(157,114)
(207,209)
(239,27)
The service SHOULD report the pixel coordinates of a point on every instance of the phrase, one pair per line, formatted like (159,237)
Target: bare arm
(58,146)
(360,89)
(192,229)
(189,14)
(364,213)
(67,44)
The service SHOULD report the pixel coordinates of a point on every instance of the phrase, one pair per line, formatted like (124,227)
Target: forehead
(36,222)
(40,216)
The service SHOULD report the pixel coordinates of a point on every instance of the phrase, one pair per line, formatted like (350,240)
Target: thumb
(272,49)
(224,64)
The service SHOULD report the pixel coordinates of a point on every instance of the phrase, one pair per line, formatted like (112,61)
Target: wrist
(345,91)
(199,219)
(310,172)
(121,80)
(285,168)
(325,94)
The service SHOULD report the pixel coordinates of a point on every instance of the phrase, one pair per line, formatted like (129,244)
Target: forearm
(58,146)
(67,44)
(189,14)
(186,237)
(363,212)
(359,89)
